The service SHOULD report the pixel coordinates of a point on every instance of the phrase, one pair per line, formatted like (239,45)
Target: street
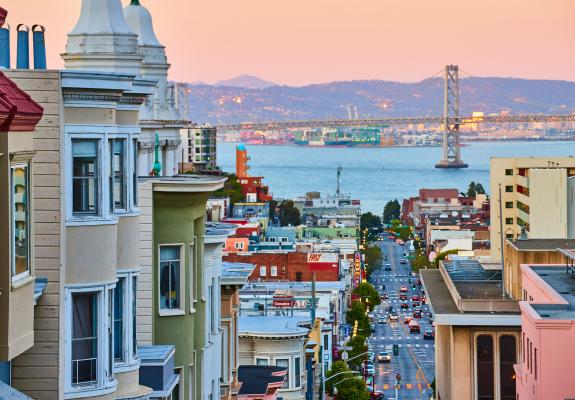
(415,361)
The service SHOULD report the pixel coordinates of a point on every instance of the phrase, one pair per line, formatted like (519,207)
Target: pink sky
(297,42)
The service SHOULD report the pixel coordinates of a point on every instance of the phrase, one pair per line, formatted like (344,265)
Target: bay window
(170,280)
(297,371)
(84,338)
(125,345)
(85,182)
(284,362)
(119,320)
(20,211)
(135,172)
(118,187)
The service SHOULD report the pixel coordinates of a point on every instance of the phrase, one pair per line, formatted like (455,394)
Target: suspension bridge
(450,121)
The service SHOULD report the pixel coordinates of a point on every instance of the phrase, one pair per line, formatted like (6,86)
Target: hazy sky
(297,42)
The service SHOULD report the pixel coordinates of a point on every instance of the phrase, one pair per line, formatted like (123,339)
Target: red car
(414,327)
(415,297)
(403,289)
(404,305)
(407,319)
(402,297)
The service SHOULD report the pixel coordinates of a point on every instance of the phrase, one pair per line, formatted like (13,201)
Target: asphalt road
(415,361)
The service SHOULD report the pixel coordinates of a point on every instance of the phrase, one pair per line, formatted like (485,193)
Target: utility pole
(451,144)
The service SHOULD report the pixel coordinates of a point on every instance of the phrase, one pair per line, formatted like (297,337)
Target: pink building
(547,360)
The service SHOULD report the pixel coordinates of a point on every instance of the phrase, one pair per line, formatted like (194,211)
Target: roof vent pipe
(22,47)
(5,46)
(39,44)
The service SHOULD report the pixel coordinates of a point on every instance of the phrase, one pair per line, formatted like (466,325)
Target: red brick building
(282,266)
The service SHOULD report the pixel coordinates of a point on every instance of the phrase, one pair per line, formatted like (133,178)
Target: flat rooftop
(564,284)
(301,286)
(542,244)
(272,326)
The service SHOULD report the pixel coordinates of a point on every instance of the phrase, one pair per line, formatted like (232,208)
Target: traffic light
(395,350)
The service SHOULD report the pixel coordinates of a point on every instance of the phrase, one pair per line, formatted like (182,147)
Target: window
(85,185)
(485,372)
(508,236)
(262,361)
(507,357)
(135,173)
(272,239)
(298,276)
(110,329)
(325,343)
(263,270)
(509,172)
(284,362)
(117,174)
(509,188)
(84,338)
(134,316)
(508,204)
(273,270)
(297,371)
(20,193)
(179,388)
(239,245)
(119,320)
(509,221)
(170,298)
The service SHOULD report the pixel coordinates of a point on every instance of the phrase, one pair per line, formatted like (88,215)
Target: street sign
(344,356)
(345,348)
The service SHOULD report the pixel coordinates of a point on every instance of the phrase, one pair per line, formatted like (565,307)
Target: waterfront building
(537,199)
(234,276)
(85,183)
(547,329)
(477,331)
(177,301)
(530,251)
(252,187)
(276,341)
(198,149)
(22,281)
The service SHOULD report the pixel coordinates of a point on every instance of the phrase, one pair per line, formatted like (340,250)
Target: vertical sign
(357,269)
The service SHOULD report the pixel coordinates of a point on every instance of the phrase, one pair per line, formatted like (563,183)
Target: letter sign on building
(322,261)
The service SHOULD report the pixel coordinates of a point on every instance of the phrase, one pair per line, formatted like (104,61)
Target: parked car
(369,370)
(374,394)
(417,314)
(393,317)
(414,327)
(403,288)
(404,305)
(403,261)
(383,357)
(429,334)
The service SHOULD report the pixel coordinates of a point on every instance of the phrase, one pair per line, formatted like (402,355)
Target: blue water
(376,175)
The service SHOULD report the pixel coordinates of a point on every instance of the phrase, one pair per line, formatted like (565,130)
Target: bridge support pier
(451,145)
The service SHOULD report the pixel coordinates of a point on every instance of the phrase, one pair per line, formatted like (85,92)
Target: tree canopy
(352,389)
(289,214)
(231,189)
(474,189)
(391,211)
(336,368)
(367,292)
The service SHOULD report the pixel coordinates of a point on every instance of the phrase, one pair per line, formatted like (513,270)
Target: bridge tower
(451,144)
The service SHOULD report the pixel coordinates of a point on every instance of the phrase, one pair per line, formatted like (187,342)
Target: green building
(173,304)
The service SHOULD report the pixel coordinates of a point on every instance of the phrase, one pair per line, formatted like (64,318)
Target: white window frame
(192,276)
(29,224)
(102,133)
(126,168)
(131,361)
(495,336)
(180,372)
(106,382)
(300,373)
(289,369)
(267,358)
(178,311)
(273,270)
(262,268)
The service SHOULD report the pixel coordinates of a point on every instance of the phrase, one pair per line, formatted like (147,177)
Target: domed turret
(140,21)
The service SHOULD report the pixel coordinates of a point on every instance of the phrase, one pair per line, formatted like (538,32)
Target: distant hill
(244,99)
(246,81)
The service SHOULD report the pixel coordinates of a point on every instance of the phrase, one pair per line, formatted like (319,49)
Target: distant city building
(252,187)
(537,199)
(198,149)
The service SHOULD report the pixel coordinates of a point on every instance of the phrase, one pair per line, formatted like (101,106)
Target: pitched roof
(18,112)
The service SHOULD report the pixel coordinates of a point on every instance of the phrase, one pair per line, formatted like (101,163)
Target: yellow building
(537,199)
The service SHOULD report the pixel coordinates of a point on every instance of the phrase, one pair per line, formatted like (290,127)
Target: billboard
(322,261)
(357,269)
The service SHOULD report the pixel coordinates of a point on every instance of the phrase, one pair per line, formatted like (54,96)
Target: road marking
(385,386)
(408,385)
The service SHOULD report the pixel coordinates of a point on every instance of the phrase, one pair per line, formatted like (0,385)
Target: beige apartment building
(537,199)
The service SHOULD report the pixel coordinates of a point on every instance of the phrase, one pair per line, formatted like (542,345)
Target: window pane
(134,315)
(119,320)
(284,362)
(485,375)
(261,361)
(135,173)
(117,174)
(170,277)
(507,354)
(85,176)
(297,372)
(84,338)
(20,220)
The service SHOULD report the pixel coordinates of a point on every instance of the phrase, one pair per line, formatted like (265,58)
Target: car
(383,357)
(404,305)
(376,395)
(403,261)
(382,321)
(414,327)
(415,303)
(417,314)
(393,317)
(415,297)
(403,288)
(429,334)
(407,319)
(387,267)
(403,296)
(369,370)
(384,296)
